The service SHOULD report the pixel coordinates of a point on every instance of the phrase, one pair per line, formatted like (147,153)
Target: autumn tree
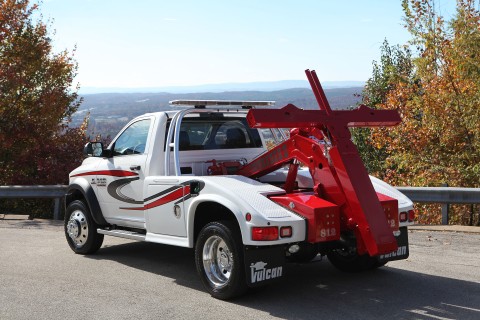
(395,65)
(439,139)
(438,98)
(36,101)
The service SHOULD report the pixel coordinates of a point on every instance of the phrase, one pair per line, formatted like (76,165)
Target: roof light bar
(237,103)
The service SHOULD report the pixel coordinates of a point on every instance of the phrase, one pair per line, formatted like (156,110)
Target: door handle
(135,168)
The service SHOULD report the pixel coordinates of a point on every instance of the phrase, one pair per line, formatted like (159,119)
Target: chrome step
(123,234)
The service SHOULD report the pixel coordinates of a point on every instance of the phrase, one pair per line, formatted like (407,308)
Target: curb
(446,228)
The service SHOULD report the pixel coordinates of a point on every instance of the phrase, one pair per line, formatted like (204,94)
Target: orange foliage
(439,139)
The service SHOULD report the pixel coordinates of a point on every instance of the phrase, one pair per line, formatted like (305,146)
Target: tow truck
(204,177)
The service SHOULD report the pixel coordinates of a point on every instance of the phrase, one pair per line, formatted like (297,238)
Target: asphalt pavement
(41,278)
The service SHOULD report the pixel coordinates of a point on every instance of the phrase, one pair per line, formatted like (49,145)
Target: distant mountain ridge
(109,112)
(224,87)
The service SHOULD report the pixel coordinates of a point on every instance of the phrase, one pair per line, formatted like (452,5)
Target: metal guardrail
(443,195)
(55,192)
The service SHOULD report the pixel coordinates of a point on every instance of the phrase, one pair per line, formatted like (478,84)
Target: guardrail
(442,195)
(55,192)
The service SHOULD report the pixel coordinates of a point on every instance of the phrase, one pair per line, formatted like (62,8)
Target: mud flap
(402,251)
(264,264)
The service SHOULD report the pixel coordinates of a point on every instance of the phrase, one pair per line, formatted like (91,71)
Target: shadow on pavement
(318,291)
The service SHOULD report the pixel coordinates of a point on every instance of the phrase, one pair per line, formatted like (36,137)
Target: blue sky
(148,43)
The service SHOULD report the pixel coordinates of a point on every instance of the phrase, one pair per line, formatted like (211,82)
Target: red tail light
(403,216)
(411,215)
(264,233)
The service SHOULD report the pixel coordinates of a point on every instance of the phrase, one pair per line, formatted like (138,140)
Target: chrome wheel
(217,261)
(81,229)
(77,228)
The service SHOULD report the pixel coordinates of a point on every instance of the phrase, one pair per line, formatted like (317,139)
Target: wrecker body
(204,178)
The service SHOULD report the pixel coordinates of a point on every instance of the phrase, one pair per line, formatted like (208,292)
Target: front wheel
(219,260)
(81,229)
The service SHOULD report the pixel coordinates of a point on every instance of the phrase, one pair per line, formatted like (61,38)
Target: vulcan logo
(260,273)
(402,251)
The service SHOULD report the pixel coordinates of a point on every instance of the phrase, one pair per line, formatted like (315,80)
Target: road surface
(41,278)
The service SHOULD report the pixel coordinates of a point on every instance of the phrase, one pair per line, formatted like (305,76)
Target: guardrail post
(445,209)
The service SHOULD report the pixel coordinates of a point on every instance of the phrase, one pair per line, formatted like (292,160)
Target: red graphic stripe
(113,173)
(168,198)
(172,196)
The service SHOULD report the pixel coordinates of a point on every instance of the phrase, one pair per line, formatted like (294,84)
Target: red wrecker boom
(344,198)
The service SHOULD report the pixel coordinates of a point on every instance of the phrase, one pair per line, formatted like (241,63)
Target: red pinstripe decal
(172,196)
(113,173)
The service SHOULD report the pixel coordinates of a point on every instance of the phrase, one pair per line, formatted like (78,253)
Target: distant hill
(223,87)
(110,111)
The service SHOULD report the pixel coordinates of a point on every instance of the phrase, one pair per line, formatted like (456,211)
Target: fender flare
(86,190)
(191,212)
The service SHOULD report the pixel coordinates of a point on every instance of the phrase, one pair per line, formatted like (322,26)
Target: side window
(268,137)
(273,136)
(133,140)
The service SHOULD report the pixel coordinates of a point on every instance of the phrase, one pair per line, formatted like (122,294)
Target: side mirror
(93,149)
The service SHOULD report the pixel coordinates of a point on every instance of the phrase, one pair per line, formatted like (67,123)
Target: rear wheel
(219,260)
(348,260)
(81,229)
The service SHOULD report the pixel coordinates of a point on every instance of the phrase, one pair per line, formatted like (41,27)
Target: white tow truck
(202,178)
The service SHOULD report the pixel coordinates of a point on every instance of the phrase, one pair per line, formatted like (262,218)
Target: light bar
(206,103)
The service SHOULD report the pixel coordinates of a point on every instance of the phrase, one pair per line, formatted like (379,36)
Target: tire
(81,229)
(348,260)
(220,261)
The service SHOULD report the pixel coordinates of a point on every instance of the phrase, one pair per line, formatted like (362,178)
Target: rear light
(403,216)
(411,215)
(285,232)
(264,233)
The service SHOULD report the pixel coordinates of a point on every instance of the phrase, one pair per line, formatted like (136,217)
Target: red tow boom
(322,141)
